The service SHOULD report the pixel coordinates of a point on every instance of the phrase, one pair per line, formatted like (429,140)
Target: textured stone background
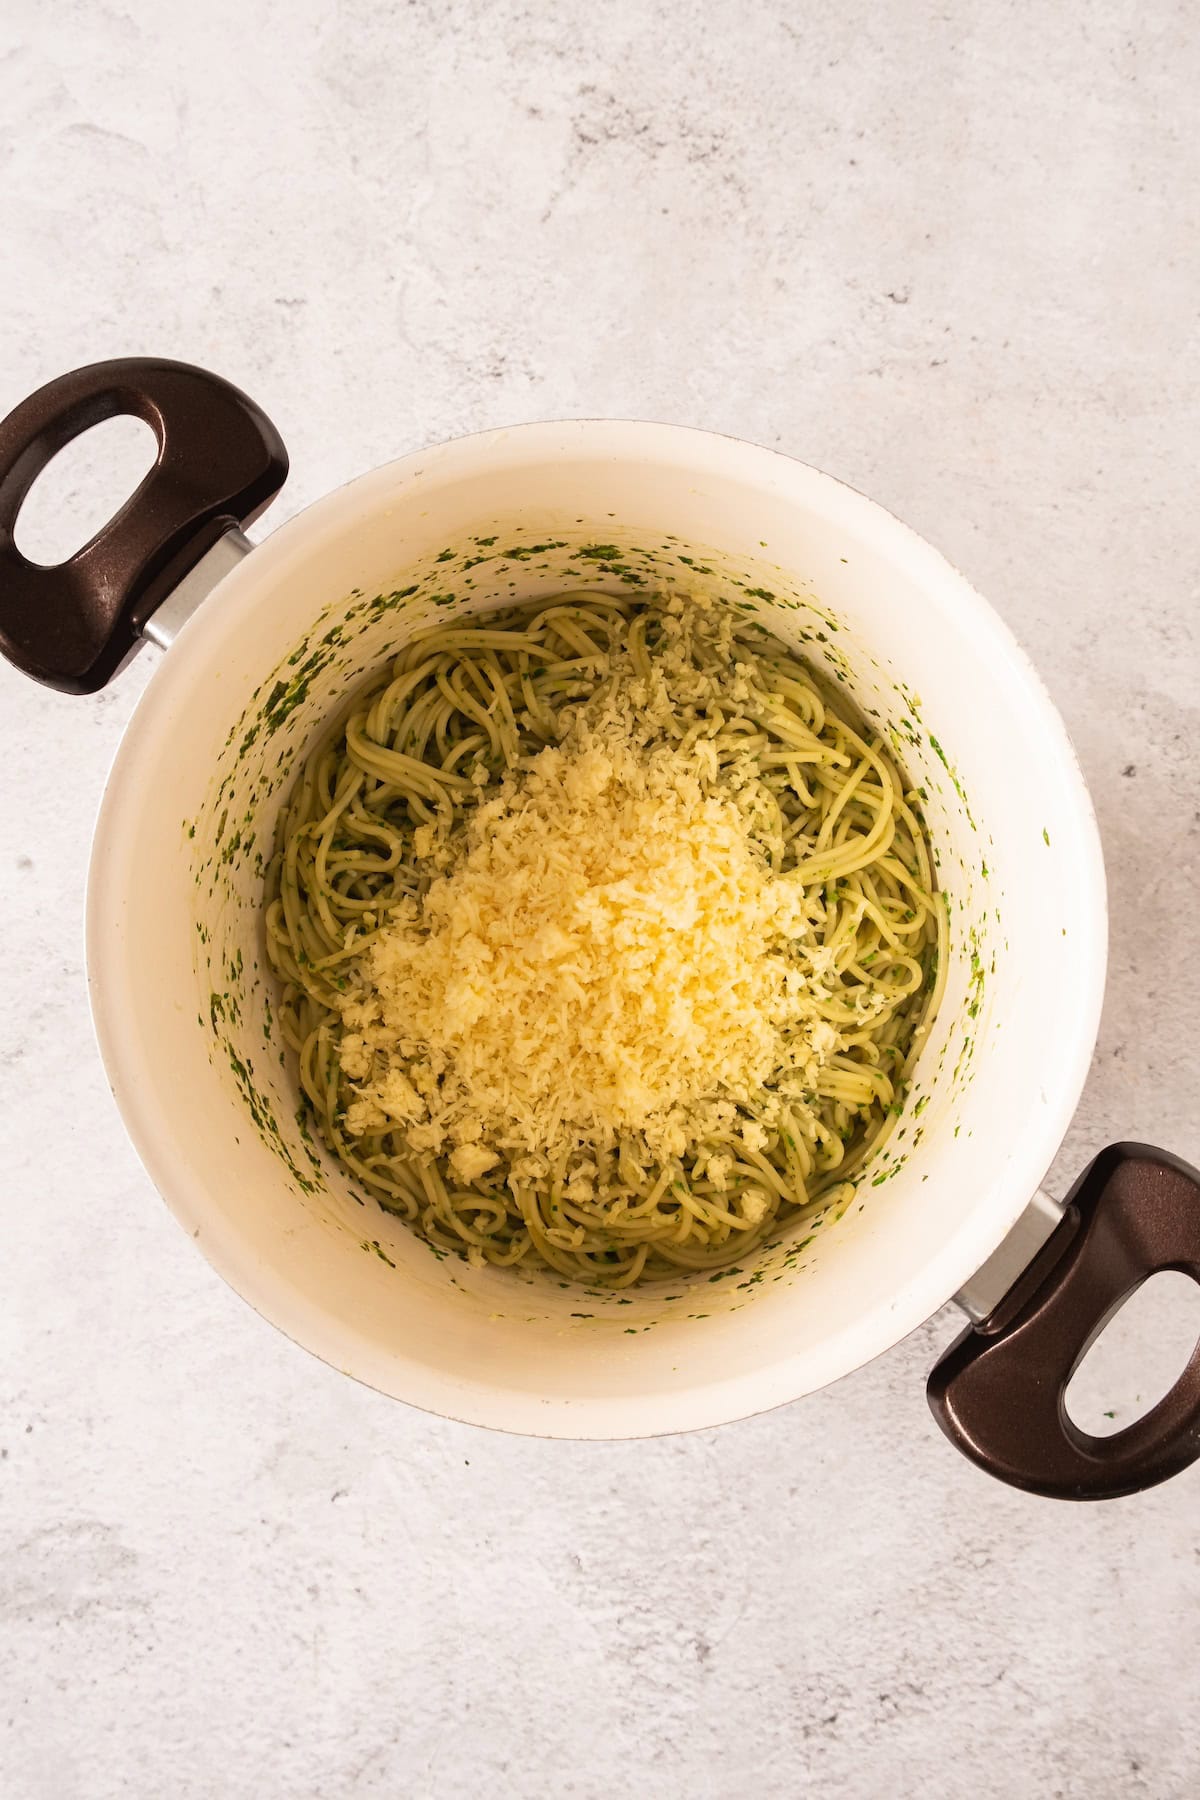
(951,255)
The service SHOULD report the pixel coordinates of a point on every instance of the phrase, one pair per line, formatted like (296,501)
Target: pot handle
(998,1392)
(220,462)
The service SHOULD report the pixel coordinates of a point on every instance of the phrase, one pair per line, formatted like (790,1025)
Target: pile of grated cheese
(605,957)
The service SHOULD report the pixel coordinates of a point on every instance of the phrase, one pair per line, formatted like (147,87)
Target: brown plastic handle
(220,462)
(998,1392)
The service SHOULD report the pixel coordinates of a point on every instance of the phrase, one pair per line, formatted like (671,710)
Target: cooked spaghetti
(607,940)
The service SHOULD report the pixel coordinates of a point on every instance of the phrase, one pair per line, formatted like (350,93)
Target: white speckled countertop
(951,256)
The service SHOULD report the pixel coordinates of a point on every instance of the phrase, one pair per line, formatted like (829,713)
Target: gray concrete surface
(951,254)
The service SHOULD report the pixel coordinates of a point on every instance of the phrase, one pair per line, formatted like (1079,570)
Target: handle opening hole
(81,488)
(1140,1354)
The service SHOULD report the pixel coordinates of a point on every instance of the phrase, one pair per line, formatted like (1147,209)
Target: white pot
(181,990)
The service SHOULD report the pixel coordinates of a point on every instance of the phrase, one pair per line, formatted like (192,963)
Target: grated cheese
(606,956)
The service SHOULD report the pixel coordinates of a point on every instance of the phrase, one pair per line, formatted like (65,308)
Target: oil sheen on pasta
(607,940)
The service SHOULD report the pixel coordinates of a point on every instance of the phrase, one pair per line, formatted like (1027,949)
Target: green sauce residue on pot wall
(312,687)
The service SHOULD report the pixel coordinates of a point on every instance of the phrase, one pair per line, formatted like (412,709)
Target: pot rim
(704,1403)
